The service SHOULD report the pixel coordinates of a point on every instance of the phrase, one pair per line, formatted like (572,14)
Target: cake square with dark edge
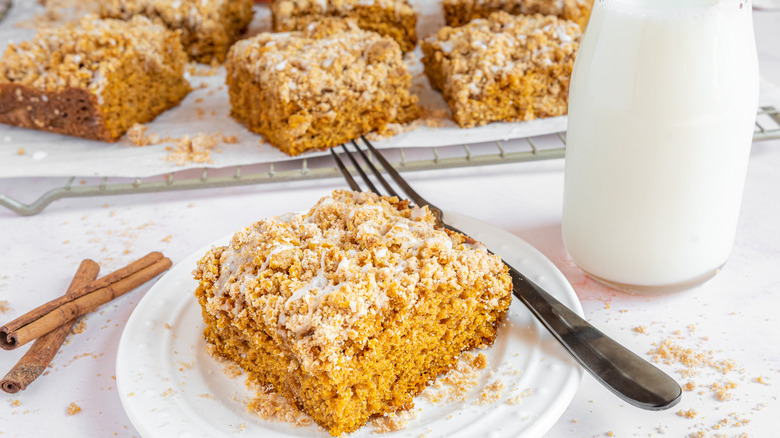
(93,78)
(351,309)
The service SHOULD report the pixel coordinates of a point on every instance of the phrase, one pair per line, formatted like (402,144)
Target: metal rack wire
(527,149)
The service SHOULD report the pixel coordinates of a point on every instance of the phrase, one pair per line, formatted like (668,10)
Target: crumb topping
(329,63)
(486,51)
(320,281)
(83,54)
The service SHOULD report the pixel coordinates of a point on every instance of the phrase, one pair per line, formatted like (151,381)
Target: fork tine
(351,181)
(376,171)
(363,175)
(419,200)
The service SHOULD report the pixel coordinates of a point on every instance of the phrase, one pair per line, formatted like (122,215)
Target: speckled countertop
(729,324)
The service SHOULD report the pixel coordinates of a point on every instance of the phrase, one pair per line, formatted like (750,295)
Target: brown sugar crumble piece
(690,413)
(351,309)
(503,68)
(491,394)
(80,327)
(4,307)
(319,87)
(460,12)
(92,78)
(73,409)
(393,422)
(395,19)
(270,405)
(640,329)
(207,27)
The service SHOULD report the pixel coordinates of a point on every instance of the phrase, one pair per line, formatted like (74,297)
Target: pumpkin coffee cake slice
(351,309)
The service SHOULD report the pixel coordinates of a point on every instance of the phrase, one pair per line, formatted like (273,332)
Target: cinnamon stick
(48,317)
(42,351)
(91,286)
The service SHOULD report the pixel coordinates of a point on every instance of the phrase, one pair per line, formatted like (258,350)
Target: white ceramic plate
(171,387)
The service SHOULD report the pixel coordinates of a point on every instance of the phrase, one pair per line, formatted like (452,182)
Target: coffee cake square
(93,78)
(392,18)
(460,12)
(320,87)
(503,68)
(208,27)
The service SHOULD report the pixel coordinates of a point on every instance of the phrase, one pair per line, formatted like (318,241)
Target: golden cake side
(351,309)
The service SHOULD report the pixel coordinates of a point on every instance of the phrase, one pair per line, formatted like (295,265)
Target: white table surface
(733,316)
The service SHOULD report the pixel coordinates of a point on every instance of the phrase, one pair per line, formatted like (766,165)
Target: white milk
(661,113)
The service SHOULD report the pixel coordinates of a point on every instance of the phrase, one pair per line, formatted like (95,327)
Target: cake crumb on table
(4,307)
(73,409)
(491,394)
(690,413)
(80,327)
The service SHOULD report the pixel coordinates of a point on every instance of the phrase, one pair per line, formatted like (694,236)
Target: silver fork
(627,375)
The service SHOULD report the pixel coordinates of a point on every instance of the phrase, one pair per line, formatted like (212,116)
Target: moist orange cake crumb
(93,78)
(351,309)
(503,68)
(460,12)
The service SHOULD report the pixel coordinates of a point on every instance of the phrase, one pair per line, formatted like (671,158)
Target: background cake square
(208,27)
(93,78)
(460,12)
(392,18)
(319,87)
(503,68)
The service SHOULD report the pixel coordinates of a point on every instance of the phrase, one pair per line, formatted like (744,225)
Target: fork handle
(627,375)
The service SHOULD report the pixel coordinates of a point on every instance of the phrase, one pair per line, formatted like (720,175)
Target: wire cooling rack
(411,159)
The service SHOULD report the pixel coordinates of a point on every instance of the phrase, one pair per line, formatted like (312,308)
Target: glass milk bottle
(662,108)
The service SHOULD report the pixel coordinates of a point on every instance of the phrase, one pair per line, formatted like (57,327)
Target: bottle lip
(673,8)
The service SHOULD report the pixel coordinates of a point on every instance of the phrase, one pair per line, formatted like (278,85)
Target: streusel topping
(83,54)
(487,50)
(323,281)
(329,62)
